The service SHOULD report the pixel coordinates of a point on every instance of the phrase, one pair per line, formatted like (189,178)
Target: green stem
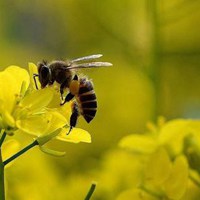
(3,133)
(91,191)
(34,143)
(155,53)
(2,189)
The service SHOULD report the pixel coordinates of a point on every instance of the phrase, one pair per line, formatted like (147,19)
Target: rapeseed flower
(170,155)
(23,109)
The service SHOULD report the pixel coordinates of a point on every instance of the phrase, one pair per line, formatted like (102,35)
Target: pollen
(74,87)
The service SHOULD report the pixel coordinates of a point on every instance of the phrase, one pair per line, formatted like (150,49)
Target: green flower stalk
(2,194)
(25,110)
(91,191)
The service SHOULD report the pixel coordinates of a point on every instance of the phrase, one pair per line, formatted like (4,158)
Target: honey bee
(80,88)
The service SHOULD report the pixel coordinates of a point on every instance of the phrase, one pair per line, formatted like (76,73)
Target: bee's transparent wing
(86,58)
(90,65)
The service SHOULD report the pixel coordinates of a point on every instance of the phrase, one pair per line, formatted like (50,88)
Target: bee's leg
(35,75)
(61,93)
(68,98)
(71,94)
(62,87)
(74,116)
(75,77)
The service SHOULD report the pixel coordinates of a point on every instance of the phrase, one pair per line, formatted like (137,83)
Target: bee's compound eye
(45,72)
(74,87)
(44,75)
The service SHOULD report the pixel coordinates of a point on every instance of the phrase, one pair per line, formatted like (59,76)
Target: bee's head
(44,73)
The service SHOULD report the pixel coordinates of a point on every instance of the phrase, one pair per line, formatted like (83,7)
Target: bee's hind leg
(74,116)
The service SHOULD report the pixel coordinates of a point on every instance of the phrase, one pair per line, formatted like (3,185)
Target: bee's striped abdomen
(87,100)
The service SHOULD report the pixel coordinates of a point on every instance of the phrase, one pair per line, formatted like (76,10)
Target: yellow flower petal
(76,135)
(139,143)
(135,194)
(19,74)
(65,110)
(34,125)
(37,99)
(158,167)
(176,184)
(57,121)
(172,134)
(11,80)
(8,119)
(42,124)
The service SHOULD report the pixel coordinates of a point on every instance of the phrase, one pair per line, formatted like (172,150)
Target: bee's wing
(86,58)
(89,65)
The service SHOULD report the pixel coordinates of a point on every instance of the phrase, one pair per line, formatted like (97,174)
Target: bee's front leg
(34,78)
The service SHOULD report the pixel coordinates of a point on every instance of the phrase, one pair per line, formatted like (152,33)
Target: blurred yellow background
(155,50)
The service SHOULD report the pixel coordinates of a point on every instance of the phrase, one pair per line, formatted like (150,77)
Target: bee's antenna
(44,62)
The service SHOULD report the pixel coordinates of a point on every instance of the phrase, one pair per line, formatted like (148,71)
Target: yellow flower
(170,153)
(36,112)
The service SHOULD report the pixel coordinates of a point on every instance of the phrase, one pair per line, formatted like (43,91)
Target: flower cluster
(23,109)
(169,154)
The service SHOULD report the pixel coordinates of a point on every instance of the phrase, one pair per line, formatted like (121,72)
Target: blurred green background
(155,50)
